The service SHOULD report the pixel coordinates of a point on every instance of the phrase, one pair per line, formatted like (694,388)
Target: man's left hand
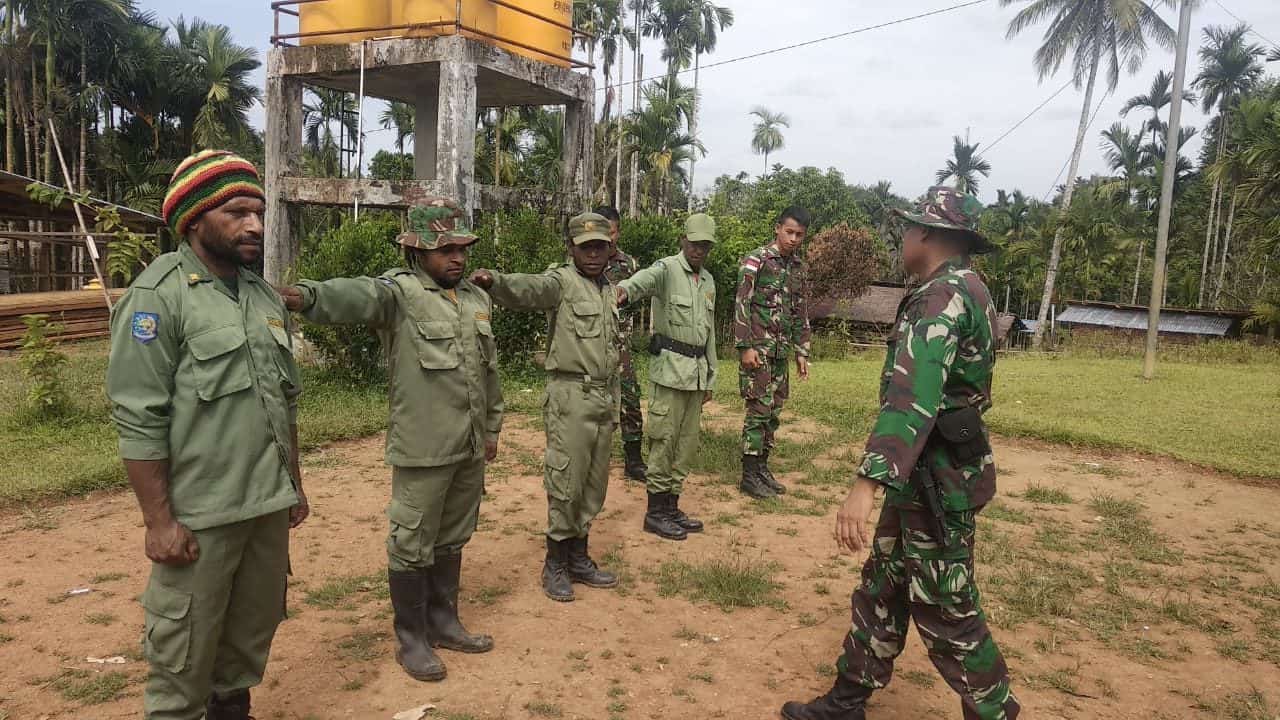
(706,397)
(802,366)
(490,450)
(300,512)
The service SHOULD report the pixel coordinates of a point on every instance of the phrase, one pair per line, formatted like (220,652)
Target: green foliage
(128,250)
(354,249)
(42,363)
(391,166)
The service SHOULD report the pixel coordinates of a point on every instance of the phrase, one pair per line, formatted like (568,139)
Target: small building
(1130,321)
(869,317)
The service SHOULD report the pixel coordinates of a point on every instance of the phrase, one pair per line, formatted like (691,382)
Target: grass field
(1218,415)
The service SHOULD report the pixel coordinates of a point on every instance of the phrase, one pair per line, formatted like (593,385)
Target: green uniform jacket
(771,313)
(684,309)
(441,357)
(941,356)
(582,314)
(207,382)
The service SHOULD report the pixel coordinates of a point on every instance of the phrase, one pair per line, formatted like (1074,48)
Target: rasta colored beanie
(203,182)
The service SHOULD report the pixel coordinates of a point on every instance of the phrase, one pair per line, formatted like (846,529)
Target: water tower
(448,59)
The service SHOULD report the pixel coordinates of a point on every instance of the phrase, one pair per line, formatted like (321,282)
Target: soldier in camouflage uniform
(631,421)
(770,325)
(931,454)
(442,361)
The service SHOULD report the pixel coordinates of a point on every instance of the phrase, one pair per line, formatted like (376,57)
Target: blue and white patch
(145,326)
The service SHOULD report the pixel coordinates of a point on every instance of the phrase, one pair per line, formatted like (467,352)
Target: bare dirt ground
(1119,587)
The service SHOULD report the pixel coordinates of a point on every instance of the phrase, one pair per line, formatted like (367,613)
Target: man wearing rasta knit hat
(204,393)
(446,413)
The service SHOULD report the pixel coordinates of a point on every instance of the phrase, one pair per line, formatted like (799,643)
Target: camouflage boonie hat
(434,224)
(949,209)
(587,227)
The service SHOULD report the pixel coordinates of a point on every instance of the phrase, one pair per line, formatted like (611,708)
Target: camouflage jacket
(622,266)
(771,313)
(941,356)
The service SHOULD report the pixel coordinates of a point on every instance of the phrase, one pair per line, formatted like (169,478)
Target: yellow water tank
(332,15)
(544,36)
(477,14)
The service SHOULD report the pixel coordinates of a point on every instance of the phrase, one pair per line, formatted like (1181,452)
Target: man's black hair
(608,212)
(797,213)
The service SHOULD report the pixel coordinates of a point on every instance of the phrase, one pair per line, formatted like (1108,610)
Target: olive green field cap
(587,227)
(700,227)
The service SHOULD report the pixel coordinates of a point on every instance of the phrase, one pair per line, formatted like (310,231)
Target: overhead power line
(837,36)
(1054,186)
(1253,30)
(1027,117)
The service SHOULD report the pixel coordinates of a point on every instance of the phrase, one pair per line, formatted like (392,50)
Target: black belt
(658,343)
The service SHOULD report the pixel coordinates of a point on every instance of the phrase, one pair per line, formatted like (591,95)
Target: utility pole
(1166,192)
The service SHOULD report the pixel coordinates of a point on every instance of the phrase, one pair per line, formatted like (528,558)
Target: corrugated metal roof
(1171,321)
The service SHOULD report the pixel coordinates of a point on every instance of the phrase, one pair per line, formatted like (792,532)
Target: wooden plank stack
(82,313)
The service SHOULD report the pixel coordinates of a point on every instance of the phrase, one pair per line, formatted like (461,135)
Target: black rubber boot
(232,707)
(844,701)
(752,483)
(767,475)
(634,468)
(409,602)
(444,629)
(582,569)
(689,524)
(658,519)
(555,572)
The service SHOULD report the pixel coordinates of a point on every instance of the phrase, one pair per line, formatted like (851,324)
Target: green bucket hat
(700,227)
(435,223)
(949,209)
(587,227)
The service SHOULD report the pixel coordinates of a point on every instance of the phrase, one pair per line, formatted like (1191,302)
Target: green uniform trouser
(433,511)
(632,421)
(209,624)
(580,417)
(765,389)
(675,418)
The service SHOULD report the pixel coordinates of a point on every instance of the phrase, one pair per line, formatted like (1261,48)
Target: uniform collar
(684,263)
(948,266)
(197,272)
(429,283)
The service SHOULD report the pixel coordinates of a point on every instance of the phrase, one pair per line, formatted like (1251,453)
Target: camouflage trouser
(909,576)
(631,420)
(765,389)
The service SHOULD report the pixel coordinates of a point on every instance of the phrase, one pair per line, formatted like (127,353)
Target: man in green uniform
(931,453)
(442,361)
(631,421)
(204,393)
(580,409)
(683,370)
(770,325)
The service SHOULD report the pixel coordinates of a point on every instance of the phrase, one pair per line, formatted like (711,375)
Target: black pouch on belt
(963,434)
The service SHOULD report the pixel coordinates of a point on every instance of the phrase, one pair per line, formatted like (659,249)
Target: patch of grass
(104,618)
(1000,511)
(806,620)
(1269,589)
(5,638)
(490,594)
(544,709)
(107,577)
(1250,705)
(919,678)
(730,519)
(352,685)
(1237,649)
(1124,524)
(1047,495)
(617,707)
(338,592)
(826,670)
(362,646)
(1038,590)
(726,582)
(1063,680)
(89,688)
(702,676)
(1056,537)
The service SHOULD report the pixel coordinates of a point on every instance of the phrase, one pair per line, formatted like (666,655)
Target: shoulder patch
(751,262)
(145,327)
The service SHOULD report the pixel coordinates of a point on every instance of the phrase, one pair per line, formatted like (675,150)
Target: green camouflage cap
(435,223)
(587,227)
(700,227)
(949,209)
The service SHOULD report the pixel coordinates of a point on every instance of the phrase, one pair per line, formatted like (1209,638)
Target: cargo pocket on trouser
(557,480)
(659,416)
(404,541)
(166,636)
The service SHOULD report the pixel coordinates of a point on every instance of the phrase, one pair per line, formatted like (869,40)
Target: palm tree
(672,22)
(1231,66)
(965,166)
(318,117)
(217,72)
(1124,154)
(398,116)
(766,137)
(658,138)
(1156,99)
(1091,31)
(708,19)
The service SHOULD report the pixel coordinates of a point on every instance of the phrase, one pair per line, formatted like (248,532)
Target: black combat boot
(555,572)
(409,602)
(634,468)
(582,569)
(658,519)
(767,475)
(689,524)
(444,630)
(231,707)
(846,700)
(753,484)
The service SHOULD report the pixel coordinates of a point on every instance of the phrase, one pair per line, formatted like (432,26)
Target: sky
(879,105)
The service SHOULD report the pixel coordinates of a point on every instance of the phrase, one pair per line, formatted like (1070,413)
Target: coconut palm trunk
(1226,249)
(84,119)
(1208,241)
(1055,254)
(693,125)
(1137,274)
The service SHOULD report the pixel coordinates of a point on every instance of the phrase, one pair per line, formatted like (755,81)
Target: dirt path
(640,654)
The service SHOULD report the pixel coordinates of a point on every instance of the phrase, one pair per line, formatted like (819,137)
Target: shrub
(43,363)
(843,261)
